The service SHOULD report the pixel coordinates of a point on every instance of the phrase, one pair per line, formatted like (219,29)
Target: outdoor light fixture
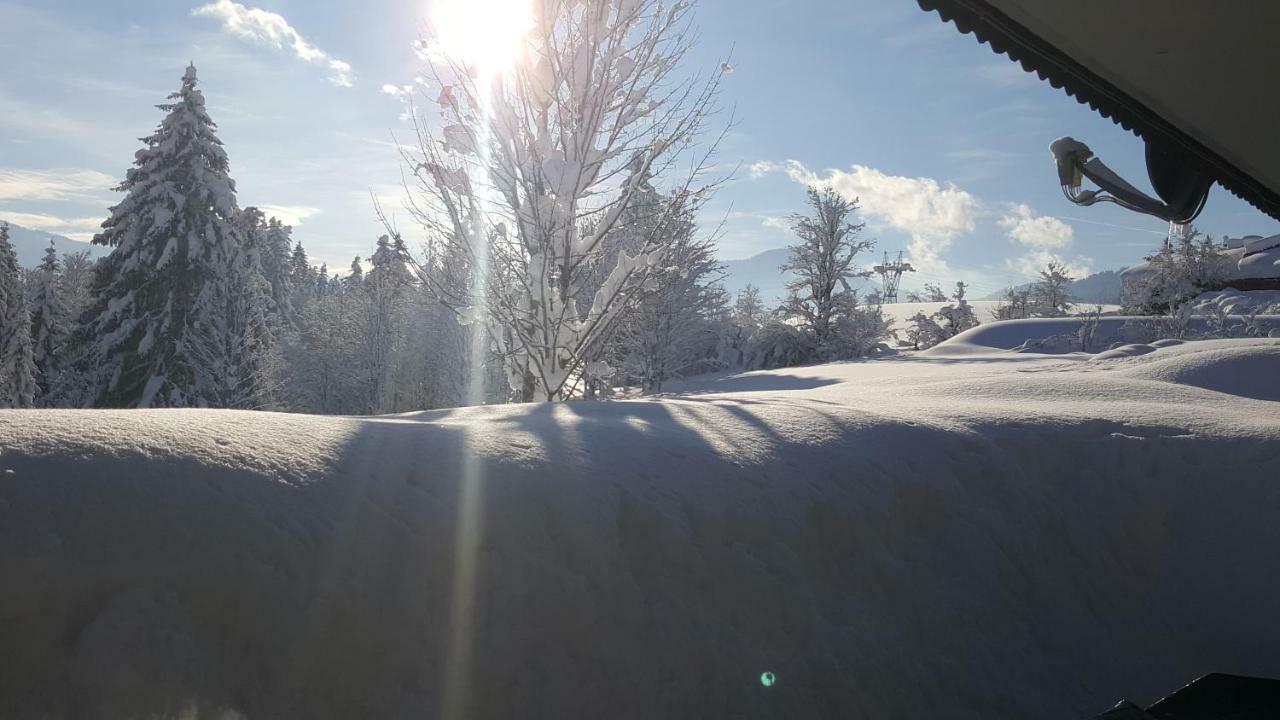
(1181,187)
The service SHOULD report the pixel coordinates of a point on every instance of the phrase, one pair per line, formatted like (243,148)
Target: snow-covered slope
(1098,288)
(929,536)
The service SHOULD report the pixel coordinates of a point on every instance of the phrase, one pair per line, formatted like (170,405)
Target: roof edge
(1008,37)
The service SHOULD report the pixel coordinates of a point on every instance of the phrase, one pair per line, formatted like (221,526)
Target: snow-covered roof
(1189,76)
(1250,257)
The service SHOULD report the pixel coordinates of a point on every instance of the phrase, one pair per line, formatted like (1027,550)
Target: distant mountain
(763,271)
(1101,288)
(760,270)
(30,244)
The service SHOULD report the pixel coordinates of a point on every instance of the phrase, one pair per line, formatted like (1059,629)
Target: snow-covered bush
(780,344)
(1180,271)
(925,331)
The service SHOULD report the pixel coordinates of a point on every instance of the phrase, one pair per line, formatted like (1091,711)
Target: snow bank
(1013,536)
(1238,302)
(1056,336)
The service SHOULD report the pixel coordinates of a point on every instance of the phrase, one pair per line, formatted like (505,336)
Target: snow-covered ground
(970,535)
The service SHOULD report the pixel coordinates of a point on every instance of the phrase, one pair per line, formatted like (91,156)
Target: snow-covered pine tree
(675,328)
(50,327)
(17,363)
(302,277)
(322,280)
(383,325)
(176,258)
(271,242)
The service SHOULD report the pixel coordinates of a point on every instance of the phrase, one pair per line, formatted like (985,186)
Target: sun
(485,34)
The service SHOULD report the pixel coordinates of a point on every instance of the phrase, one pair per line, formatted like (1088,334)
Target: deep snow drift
(1008,535)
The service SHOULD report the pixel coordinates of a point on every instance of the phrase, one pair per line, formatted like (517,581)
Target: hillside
(1000,535)
(760,270)
(763,271)
(1101,288)
(30,244)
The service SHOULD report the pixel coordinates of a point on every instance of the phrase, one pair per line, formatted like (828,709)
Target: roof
(1176,74)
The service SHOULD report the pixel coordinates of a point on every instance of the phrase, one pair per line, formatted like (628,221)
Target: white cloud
(1030,264)
(1045,237)
(1043,231)
(74,228)
(56,184)
(397,90)
(775,222)
(931,213)
(271,29)
(763,167)
(289,214)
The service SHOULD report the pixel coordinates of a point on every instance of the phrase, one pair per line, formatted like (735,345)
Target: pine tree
(176,252)
(49,325)
(302,277)
(355,278)
(17,364)
(276,259)
(383,324)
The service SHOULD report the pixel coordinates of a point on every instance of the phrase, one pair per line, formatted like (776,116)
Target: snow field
(997,535)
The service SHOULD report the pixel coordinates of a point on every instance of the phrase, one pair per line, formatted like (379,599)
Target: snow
(1107,330)
(980,535)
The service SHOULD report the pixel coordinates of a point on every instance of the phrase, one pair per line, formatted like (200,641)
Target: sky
(944,142)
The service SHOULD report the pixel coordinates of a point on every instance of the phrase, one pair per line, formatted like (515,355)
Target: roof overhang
(1198,77)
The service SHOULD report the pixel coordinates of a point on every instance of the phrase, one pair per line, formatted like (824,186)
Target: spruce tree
(49,325)
(17,364)
(176,258)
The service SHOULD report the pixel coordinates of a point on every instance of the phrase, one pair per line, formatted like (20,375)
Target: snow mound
(1248,369)
(1014,536)
(1238,302)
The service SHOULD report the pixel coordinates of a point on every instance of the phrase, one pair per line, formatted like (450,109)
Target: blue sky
(944,141)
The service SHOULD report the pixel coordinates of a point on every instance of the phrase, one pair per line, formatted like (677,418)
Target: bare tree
(823,263)
(532,170)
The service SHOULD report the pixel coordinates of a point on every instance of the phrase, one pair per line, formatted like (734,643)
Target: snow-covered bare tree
(50,325)
(17,364)
(1050,296)
(176,260)
(823,262)
(534,168)
(1015,305)
(929,293)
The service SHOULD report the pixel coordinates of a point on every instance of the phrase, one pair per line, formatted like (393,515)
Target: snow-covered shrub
(780,344)
(948,321)
(1177,273)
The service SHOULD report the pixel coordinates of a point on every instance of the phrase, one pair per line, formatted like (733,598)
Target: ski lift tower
(890,273)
